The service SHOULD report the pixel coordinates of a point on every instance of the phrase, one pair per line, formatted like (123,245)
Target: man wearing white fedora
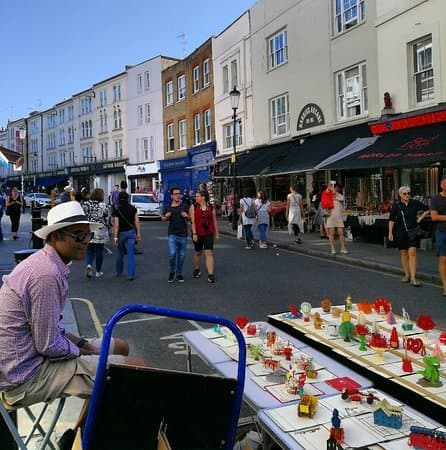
(39,360)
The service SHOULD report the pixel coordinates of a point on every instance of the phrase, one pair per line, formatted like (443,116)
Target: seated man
(39,360)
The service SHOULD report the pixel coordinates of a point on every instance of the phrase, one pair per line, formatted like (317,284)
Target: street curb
(347,259)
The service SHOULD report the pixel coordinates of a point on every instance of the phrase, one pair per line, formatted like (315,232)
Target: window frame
(147,113)
(197,129)
(206,72)
(417,72)
(207,117)
(275,115)
(273,52)
(228,134)
(170,137)
(340,22)
(181,85)
(343,104)
(169,93)
(146,80)
(196,78)
(182,134)
(140,114)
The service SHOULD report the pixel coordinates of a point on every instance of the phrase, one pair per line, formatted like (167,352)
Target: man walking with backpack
(248,217)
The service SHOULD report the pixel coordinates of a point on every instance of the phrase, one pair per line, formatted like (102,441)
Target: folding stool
(6,409)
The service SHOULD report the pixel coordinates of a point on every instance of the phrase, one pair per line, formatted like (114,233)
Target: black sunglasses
(80,236)
(405,193)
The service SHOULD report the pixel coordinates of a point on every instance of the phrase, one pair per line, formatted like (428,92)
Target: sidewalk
(373,256)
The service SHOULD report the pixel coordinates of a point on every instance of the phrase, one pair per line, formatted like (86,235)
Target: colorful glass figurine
(431,372)
(346,328)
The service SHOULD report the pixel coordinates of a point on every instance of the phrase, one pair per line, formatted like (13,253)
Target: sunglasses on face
(79,236)
(405,193)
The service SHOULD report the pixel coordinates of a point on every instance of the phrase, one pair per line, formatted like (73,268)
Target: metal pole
(234,171)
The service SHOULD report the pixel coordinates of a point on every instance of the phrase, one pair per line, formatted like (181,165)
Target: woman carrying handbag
(403,222)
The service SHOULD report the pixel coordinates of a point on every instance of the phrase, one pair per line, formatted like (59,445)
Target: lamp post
(22,137)
(235,97)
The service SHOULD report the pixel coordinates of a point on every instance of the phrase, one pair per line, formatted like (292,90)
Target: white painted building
(144,105)
(412,58)
(312,52)
(231,52)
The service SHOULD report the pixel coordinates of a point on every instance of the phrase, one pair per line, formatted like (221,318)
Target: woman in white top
(262,207)
(295,213)
(335,221)
(245,204)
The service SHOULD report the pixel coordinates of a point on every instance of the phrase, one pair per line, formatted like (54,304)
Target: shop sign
(408,122)
(174,164)
(310,116)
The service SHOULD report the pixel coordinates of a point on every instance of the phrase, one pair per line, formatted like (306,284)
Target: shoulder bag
(413,233)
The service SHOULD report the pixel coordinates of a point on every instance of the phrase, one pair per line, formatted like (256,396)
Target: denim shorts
(440,242)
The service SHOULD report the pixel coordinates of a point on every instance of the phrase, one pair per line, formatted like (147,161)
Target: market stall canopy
(10,157)
(419,146)
(357,145)
(304,157)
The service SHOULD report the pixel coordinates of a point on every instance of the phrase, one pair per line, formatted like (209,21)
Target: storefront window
(418,181)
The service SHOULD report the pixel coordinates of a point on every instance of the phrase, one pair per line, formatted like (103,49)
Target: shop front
(143,177)
(371,176)
(200,167)
(174,174)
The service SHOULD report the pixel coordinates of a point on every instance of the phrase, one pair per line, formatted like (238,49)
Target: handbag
(413,233)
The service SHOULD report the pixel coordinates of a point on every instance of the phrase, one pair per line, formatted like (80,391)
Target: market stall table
(385,371)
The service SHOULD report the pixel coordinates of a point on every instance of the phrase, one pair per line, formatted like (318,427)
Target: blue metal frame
(98,387)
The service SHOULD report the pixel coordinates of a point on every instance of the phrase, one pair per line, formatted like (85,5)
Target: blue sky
(52,49)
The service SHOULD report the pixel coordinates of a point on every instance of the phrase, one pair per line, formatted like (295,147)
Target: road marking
(145,319)
(179,346)
(94,316)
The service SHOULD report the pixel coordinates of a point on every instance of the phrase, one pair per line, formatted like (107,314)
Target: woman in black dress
(405,215)
(14,205)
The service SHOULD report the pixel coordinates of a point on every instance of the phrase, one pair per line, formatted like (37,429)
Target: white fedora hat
(63,215)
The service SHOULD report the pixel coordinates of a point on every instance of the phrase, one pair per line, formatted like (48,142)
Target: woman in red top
(204,229)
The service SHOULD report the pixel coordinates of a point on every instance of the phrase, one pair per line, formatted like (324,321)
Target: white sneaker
(89,271)
(99,274)
(344,251)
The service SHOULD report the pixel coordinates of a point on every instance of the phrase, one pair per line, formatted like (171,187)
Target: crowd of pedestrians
(193,216)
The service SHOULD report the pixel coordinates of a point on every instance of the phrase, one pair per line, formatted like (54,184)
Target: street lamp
(22,137)
(235,97)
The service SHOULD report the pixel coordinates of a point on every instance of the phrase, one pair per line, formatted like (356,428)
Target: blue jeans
(177,252)
(95,251)
(262,231)
(248,234)
(126,241)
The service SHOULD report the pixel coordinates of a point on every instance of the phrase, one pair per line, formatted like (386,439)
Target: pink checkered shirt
(32,299)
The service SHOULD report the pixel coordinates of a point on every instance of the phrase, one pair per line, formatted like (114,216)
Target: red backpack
(327,199)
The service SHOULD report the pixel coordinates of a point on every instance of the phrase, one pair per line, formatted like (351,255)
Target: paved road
(253,283)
